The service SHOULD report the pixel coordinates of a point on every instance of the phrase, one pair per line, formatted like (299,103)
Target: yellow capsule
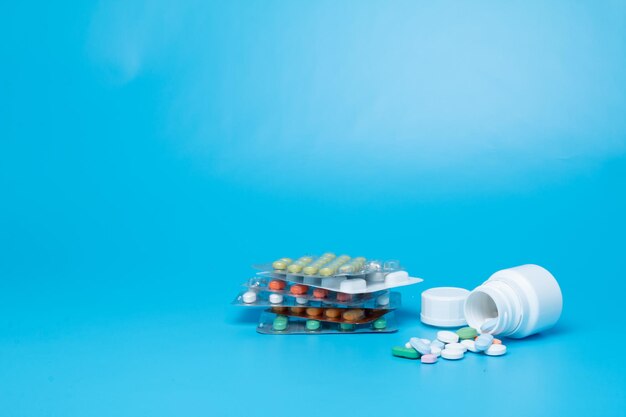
(299,264)
(281,263)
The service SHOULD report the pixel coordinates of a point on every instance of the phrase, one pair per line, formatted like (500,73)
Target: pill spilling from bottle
(450,345)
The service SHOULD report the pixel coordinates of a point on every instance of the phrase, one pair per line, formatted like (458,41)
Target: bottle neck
(494,300)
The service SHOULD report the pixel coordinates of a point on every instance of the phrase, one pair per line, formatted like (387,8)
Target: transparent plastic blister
(329,265)
(276,324)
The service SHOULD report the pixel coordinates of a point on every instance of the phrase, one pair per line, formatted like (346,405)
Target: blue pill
(483,341)
(420,346)
(437,343)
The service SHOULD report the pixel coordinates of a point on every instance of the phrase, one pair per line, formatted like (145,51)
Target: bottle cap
(443,306)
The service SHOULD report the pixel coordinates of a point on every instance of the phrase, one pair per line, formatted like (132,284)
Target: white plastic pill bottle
(523,300)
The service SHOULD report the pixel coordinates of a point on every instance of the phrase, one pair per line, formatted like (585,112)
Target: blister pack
(368,283)
(287,288)
(261,296)
(335,315)
(277,324)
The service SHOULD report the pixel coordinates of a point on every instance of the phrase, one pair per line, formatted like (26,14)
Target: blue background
(152,151)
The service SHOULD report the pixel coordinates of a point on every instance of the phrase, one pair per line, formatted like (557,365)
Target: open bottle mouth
(480,308)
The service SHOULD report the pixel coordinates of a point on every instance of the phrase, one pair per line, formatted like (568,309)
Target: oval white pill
(452,354)
(447,336)
(458,346)
(470,345)
(421,347)
(488,325)
(496,350)
(276,298)
(249,297)
(301,300)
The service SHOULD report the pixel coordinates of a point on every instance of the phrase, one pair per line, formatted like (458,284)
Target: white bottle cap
(443,306)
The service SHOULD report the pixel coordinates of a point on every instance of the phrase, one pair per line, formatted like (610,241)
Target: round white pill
(382,300)
(470,345)
(435,350)
(408,345)
(301,300)
(452,354)
(446,336)
(496,350)
(249,297)
(276,298)
(457,346)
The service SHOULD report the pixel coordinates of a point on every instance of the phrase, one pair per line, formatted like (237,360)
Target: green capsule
(313,325)
(467,333)
(346,327)
(404,352)
(380,323)
(280,323)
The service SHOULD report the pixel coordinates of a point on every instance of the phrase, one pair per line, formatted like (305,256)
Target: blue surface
(151,152)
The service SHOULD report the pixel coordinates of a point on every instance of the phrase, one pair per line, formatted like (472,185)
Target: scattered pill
(483,342)
(408,345)
(403,352)
(428,358)
(488,325)
(281,263)
(346,327)
(452,354)
(277,284)
(354,314)
(458,346)
(437,343)
(299,289)
(320,293)
(427,341)
(380,323)
(470,345)
(249,297)
(276,298)
(467,333)
(497,341)
(420,346)
(313,311)
(312,325)
(435,350)
(332,312)
(280,323)
(496,350)
(447,336)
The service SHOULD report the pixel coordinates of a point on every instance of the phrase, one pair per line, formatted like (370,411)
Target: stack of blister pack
(326,294)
